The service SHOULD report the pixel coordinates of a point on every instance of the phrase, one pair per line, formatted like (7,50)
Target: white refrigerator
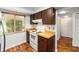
(2,37)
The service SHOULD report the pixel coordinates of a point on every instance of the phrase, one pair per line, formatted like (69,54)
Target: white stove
(34,40)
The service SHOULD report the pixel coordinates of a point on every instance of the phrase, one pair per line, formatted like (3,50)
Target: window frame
(14,28)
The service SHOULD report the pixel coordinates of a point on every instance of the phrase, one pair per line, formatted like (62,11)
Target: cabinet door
(32,17)
(53,16)
(44,17)
(42,46)
(48,16)
(51,44)
(27,35)
(38,15)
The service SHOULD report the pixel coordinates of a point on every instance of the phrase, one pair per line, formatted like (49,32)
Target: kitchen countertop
(47,34)
(31,29)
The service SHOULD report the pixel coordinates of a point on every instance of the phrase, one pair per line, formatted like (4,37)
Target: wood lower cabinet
(27,37)
(46,45)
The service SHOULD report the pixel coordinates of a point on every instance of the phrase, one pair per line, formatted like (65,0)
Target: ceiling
(32,8)
(25,10)
(37,8)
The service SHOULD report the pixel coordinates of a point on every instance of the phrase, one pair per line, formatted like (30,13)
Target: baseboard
(15,45)
(67,37)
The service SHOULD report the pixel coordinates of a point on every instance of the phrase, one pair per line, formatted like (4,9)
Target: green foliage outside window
(14,23)
(19,25)
(10,25)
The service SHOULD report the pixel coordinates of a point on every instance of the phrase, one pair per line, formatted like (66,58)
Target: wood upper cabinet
(35,16)
(38,15)
(44,16)
(32,17)
(48,16)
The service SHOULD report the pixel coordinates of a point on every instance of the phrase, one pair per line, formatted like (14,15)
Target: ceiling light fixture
(62,12)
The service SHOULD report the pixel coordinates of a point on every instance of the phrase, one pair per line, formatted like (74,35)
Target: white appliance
(37,21)
(2,37)
(34,40)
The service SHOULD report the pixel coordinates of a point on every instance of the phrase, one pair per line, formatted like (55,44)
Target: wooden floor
(21,48)
(64,44)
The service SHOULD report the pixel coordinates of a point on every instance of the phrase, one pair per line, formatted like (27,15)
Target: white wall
(27,21)
(58,27)
(14,39)
(66,25)
(76,29)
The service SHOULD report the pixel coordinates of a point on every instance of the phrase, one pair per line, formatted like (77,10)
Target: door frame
(74,30)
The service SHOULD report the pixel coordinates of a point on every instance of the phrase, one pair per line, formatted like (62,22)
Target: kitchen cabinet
(47,16)
(32,17)
(27,37)
(38,15)
(46,45)
(35,17)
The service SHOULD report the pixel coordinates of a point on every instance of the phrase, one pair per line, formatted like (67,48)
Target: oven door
(34,38)
(34,41)
(35,47)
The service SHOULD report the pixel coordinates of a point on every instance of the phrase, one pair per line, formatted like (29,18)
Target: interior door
(66,26)
(76,30)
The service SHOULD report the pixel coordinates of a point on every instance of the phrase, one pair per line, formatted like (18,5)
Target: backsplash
(49,27)
(46,27)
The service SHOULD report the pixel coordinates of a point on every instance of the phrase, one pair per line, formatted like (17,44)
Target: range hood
(37,21)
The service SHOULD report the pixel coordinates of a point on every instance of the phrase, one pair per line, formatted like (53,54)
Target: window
(14,23)
(19,23)
(9,21)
